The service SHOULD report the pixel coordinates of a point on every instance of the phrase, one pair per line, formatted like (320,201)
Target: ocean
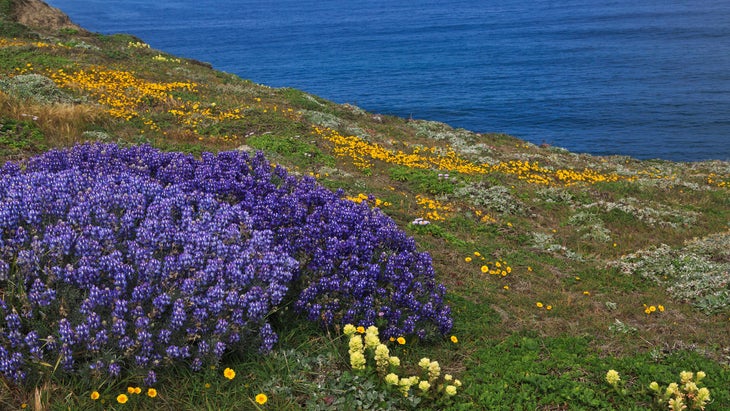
(647,79)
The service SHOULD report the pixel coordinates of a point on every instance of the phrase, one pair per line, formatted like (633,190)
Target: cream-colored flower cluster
(433,384)
(685,395)
(612,377)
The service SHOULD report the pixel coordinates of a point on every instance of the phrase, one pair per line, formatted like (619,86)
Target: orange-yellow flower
(401,340)
(122,398)
(454,339)
(261,398)
(485,269)
(95,395)
(229,373)
(151,392)
(538,304)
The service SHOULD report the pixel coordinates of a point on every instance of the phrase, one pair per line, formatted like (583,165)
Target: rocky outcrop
(37,14)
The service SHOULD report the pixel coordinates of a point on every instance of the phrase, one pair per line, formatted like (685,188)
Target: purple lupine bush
(131,258)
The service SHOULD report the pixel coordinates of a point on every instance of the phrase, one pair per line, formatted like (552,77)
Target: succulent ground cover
(559,267)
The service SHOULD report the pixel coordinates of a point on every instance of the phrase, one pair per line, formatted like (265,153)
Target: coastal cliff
(560,267)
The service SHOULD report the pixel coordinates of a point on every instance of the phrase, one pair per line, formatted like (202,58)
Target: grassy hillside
(559,266)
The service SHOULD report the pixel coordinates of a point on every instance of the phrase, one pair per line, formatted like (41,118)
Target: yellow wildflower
(261,398)
(612,377)
(229,373)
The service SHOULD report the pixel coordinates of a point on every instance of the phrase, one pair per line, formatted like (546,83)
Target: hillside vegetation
(558,266)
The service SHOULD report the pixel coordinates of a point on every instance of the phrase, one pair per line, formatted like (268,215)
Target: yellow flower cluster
(196,115)
(362,197)
(363,153)
(499,267)
(649,309)
(685,395)
(122,91)
(443,385)
(160,57)
(433,210)
(541,306)
(138,45)
(124,398)
(5,42)
(535,174)
(28,68)
(717,180)
(484,218)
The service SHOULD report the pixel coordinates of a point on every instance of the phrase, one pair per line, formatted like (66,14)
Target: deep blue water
(649,79)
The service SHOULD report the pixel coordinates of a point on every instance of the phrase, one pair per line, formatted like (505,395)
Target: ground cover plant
(561,269)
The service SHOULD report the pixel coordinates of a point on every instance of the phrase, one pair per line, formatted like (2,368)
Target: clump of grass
(60,124)
(36,87)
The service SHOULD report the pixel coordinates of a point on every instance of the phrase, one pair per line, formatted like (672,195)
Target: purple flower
(150,257)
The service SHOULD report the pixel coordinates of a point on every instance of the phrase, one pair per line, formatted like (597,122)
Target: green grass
(20,137)
(558,241)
